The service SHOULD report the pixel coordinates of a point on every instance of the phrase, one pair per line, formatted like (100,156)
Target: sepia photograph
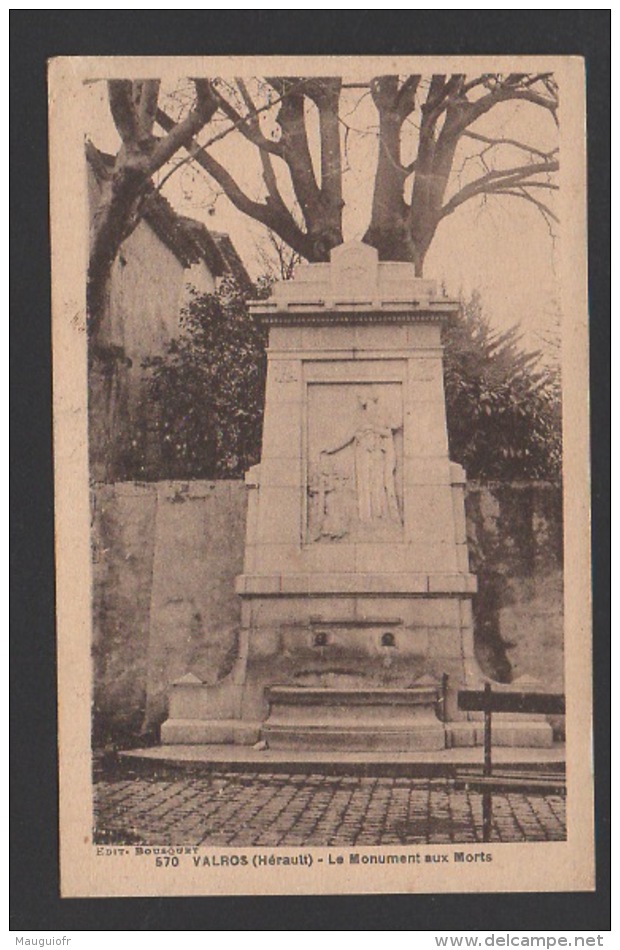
(321,465)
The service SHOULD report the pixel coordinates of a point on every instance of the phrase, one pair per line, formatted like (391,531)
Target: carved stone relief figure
(354,484)
(328,486)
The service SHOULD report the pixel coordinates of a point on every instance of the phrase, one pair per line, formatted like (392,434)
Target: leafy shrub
(204,408)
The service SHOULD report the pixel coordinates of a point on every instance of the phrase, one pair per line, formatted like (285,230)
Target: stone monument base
(209,732)
(530,734)
(339,718)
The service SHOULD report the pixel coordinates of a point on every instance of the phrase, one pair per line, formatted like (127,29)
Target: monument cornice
(325,314)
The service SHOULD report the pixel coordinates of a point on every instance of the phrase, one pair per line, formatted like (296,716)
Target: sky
(503,248)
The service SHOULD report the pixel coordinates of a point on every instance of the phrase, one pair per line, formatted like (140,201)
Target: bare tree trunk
(388,230)
(113,221)
(321,205)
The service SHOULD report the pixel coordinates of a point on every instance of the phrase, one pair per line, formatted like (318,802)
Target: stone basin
(356,718)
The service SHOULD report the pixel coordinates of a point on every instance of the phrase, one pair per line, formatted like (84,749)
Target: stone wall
(515,546)
(165,559)
(166,556)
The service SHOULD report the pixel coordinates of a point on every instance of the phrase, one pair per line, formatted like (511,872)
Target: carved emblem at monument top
(354,270)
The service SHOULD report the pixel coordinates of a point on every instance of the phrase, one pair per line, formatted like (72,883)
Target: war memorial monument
(357,626)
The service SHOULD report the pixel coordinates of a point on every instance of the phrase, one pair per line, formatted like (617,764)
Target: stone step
(240,758)
(417,695)
(302,737)
(359,719)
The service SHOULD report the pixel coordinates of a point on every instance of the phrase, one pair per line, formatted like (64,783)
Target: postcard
(320,352)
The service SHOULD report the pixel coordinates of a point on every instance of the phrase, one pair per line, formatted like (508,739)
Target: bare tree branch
(503,92)
(321,205)
(506,141)
(286,221)
(495,180)
(248,125)
(182,132)
(286,259)
(272,215)
(527,197)
(167,122)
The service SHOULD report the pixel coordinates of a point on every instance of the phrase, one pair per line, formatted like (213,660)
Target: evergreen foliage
(503,403)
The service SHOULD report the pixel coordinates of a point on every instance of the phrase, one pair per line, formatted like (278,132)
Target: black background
(37,35)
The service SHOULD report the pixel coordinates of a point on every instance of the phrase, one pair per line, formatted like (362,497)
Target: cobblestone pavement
(259,809)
